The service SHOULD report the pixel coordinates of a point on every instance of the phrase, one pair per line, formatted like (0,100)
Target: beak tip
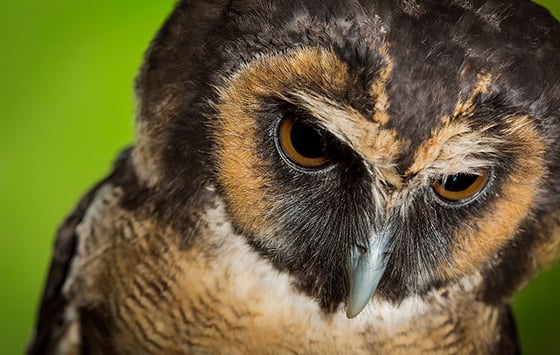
(358,299)
(352,312)
(366,272)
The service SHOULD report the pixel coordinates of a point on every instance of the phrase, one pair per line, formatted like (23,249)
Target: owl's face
(360,147)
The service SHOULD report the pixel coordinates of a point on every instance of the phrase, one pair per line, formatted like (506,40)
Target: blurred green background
(66,108)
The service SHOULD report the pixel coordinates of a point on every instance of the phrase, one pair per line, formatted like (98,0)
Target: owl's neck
(450,320)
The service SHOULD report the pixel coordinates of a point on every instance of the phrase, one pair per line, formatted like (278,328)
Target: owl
(321,177)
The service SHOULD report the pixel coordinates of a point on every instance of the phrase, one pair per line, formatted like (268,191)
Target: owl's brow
(340,120)
(376,145)
(455,148)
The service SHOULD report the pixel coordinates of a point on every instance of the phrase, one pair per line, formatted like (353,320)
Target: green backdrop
(66,108)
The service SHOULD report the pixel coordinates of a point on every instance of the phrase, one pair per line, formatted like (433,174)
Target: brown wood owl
(321,177)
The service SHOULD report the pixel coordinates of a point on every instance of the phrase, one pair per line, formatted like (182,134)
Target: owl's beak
(366,267)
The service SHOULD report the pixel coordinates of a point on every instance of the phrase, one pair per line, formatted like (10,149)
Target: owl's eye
(460,187)
(302,143)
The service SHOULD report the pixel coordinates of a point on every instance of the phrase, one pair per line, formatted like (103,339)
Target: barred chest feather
(137,290)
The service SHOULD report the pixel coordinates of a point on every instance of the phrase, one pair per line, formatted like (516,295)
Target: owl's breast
(140,289)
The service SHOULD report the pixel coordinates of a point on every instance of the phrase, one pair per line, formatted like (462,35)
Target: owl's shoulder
(55,320)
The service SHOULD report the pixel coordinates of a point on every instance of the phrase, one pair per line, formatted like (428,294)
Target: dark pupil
(307,141)
(459,182)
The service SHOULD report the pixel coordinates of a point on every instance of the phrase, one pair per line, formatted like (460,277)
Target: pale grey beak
(366,267)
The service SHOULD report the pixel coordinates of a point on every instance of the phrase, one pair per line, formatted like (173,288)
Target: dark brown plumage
(321,177)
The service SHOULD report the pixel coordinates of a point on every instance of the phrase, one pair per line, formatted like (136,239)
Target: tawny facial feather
(465,107)
(486,235)
(492,231)
(378,90)
(240,170)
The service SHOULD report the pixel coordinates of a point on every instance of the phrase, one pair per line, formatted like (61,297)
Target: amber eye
(302,143)
(460,187)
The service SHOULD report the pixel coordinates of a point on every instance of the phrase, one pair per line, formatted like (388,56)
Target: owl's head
(363,145)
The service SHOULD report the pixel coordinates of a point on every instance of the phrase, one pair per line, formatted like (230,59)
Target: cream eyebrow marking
(455,148)
(378,146)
